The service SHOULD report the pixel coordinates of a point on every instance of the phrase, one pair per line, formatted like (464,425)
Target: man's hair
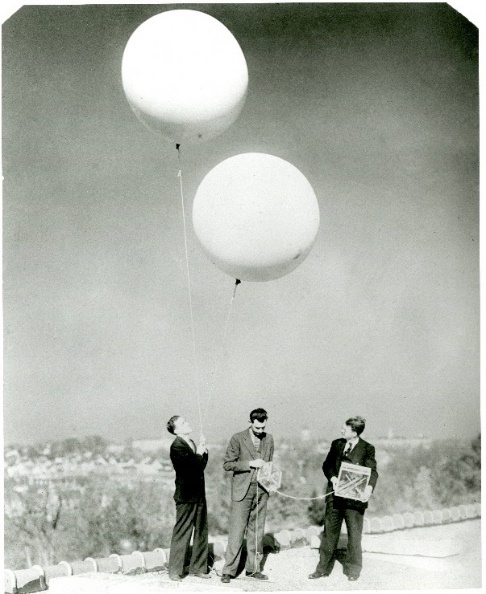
(357,424)
(260,414)
(171,424)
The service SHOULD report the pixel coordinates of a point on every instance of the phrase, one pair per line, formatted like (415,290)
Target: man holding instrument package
(247,452)
(351,450)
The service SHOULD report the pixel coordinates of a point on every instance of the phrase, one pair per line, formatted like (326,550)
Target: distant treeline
(93,516)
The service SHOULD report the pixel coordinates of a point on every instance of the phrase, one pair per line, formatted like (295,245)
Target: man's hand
(367,493)
(334,481)
(258,463)
(202,447)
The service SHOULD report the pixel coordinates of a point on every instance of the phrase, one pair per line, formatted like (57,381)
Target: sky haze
(376,104)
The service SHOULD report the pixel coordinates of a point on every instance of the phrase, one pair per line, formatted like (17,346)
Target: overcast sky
(376,104)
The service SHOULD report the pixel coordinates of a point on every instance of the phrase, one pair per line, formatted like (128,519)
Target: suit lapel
(182,440)
(341,448)
(264,447)
(249,444)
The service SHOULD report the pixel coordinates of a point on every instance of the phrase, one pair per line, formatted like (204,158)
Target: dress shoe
(318,574)
(204,576)
(257,575)
(352,578)
(174,577)
(225,578)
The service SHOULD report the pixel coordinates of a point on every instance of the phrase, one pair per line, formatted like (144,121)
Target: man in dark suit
(189,463)
(350,448)
(246,453)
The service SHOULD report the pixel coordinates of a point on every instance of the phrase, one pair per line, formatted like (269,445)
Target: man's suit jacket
(237,460)
(189,468)
(363,454)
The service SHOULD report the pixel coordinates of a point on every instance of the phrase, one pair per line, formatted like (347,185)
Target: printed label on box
(352,481)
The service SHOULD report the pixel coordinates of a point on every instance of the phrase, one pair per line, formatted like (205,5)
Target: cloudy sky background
(377,105)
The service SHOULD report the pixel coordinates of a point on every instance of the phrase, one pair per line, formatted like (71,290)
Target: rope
(196,373)
(303,498)
(283,495)
(223,344)
(256,531)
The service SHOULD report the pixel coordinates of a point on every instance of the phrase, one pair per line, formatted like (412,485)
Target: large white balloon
(256,216)
(184,75)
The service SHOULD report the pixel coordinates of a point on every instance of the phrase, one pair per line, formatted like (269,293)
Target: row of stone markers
(36,578)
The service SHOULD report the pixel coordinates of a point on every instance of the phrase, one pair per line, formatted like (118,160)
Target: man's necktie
(347,449)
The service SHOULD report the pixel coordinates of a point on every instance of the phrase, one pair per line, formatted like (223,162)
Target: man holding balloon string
(189,462)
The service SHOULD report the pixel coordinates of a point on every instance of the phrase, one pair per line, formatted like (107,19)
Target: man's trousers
(247,514)
(333,521)
(189,517)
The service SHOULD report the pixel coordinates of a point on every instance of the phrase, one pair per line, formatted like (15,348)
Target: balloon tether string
(257,568)
(223,343)
(303,498)
(256,530)
(179,175)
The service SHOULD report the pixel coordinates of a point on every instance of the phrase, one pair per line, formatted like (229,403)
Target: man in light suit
(246,453)
(189,463)
(349,448)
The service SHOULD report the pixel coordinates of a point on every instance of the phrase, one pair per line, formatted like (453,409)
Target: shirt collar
(253,437)
(189,441)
